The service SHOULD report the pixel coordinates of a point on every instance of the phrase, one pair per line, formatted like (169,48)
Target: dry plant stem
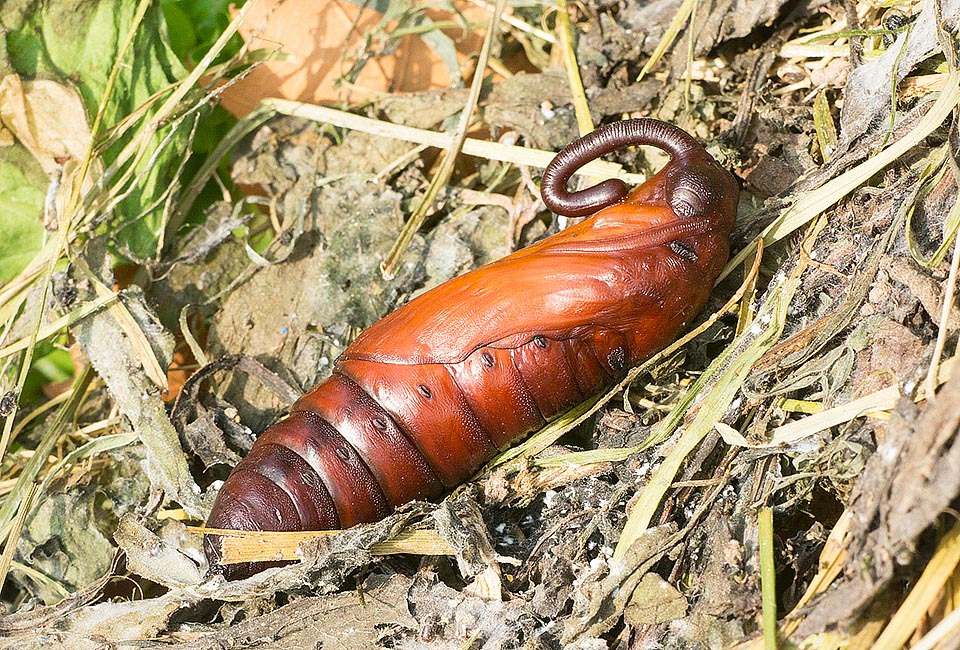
(683,13)
(924,594)
(195,349)
(691,43)
(948,628)
(791,432)
(568,54)
(399,162)
(855,41)
(241,546)
(389,265)
(583,458)
(746,313)
(949,292)
(473,147)
(513,21)
(565,40)
(768,578)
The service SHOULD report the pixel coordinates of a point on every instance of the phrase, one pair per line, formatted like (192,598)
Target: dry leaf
(319,42)
(47,117)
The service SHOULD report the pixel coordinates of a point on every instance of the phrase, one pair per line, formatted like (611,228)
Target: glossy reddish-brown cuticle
(429,393)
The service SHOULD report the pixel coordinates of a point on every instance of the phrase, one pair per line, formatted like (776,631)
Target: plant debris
(177,277)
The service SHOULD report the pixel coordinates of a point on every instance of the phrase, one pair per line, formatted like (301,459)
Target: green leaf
(52,365)
(79,41)
(204,22)
(22,188)
(180,29)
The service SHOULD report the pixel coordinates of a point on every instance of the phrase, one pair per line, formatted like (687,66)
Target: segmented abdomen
(375,435)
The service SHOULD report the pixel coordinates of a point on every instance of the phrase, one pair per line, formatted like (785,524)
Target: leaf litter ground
(807,396)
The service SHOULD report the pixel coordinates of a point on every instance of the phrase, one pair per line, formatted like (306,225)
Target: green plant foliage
(194,26)
(52,365)
(21,204)
(79,42)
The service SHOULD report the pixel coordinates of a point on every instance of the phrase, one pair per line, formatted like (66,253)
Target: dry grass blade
(473,147)
(51,329)
(17,500)
(791,432)
(238,546)
(195,348)
(881,400)
(551,432)
(443,174)
(812,204)
(669,36)
(568,53)
(949,292)
(414,542)
(940,636)
(724,376)
(925,593)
